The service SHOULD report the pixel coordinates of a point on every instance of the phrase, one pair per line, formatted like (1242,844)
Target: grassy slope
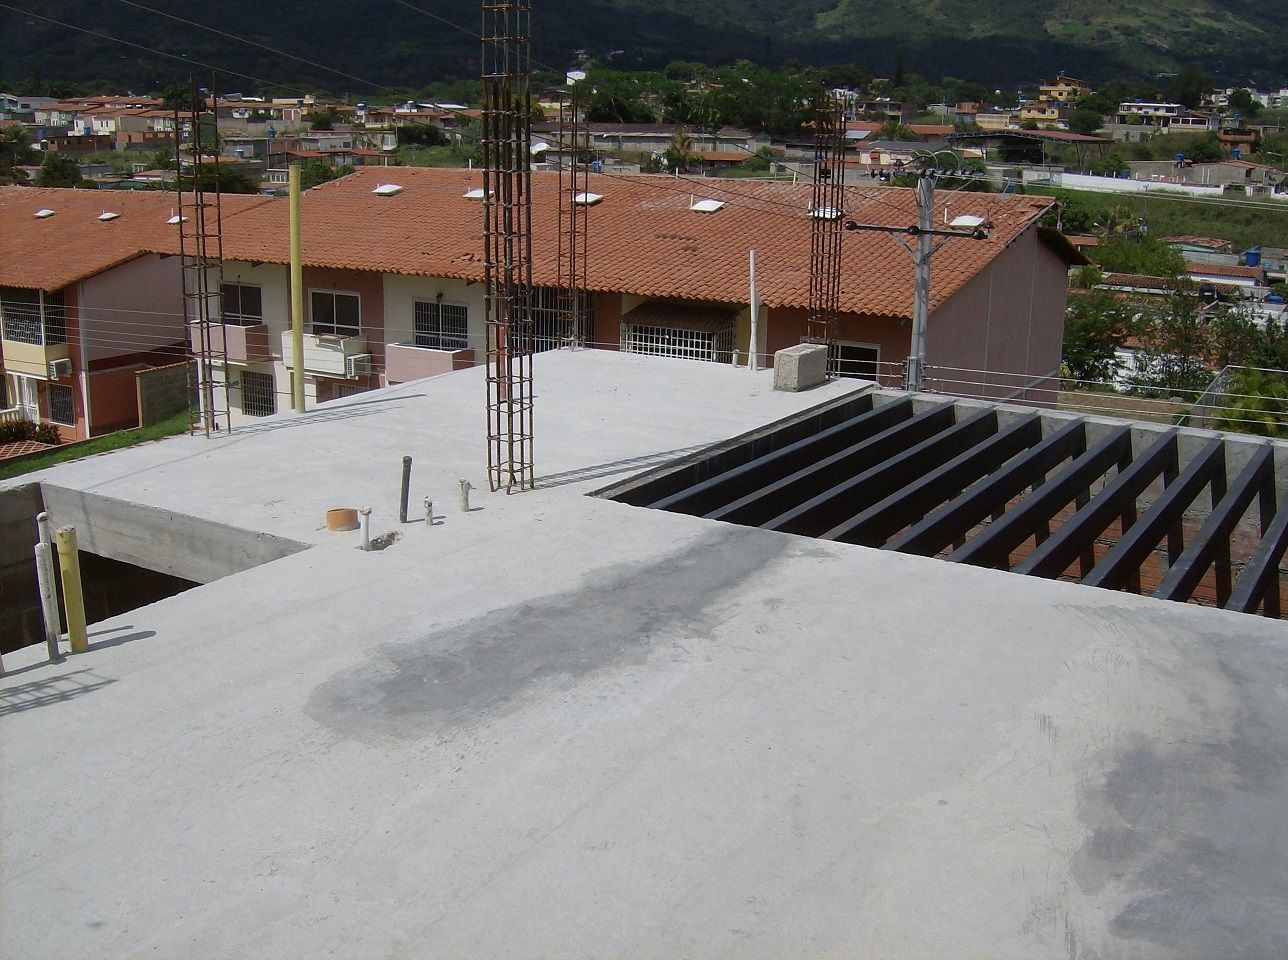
(1244,226)
(111,441)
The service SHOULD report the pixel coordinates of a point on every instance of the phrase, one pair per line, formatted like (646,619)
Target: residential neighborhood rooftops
(1227,270)
(643,237)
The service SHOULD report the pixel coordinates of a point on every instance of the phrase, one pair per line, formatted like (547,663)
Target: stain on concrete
(1188,839)
(466,673)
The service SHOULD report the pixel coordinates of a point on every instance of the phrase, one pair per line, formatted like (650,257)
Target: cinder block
(800,367)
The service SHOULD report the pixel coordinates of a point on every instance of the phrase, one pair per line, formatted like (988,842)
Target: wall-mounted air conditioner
(359,365)
(59,369)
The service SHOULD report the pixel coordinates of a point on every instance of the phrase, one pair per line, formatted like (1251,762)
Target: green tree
(1139,255)
(1190,86)
(1241,100)
(1096,324)
(679,155)
(324,119)
(315,172)
(15,150)
(182,97)
(58,170)
(1172,356)
(1085,121)
(225,179)
(1205,149)
(1257,403)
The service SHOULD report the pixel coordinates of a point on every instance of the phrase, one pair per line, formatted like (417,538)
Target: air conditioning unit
(358,365)
(59,369)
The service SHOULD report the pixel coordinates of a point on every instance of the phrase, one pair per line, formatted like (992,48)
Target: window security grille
(441,326)
(676,342)
(242,305)
(547,319)
(258,398)
(21,311)
(335,313)
(61,407)
(55,318)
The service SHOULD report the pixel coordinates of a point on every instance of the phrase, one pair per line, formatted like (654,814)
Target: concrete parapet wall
(161,540)
(162,392)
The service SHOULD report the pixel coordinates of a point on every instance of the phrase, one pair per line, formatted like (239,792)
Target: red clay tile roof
(644,239)
(724,156)
(1214,243)
(1226,270)
(73,244)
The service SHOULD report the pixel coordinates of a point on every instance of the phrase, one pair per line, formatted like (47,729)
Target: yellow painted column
(73,598)
(297,295)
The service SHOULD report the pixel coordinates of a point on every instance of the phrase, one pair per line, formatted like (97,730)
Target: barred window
(243,305)
(21,312)
(258,397)
(335,313)
(441,326)
(55,318)
(857,360)
(61,408)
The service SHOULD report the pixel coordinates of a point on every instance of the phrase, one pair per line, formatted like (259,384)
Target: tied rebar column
(201,256)
(507,242)
(827,224)
(574,181)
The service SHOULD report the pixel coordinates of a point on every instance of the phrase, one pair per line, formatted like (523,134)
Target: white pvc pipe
(365,514)
(48,599)
(45,527)
(753,352)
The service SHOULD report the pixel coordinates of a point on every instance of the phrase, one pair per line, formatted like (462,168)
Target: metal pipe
(365,519)
(297,294)
(921,297)
(406,490)
(429,512)
(754,345)
(465,496)
(48,599)
(73,597)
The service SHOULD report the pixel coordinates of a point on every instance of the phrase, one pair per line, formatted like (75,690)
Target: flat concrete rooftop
(564,726)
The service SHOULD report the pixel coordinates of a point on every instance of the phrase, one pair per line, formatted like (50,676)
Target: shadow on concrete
(616,466)
(125,638)
(320,414)
(99,633)
(38,693)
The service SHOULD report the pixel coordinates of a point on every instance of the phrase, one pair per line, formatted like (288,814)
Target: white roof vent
(589,199)
(475,194)
(706,206)
(540,147)
(108,215)
(967,221)
(175,218)
(43,214)
(387,189)
(825,213)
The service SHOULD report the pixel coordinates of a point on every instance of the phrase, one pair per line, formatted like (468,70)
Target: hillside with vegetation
(389,44)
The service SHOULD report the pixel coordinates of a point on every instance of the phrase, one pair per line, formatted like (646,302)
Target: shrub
(19,430)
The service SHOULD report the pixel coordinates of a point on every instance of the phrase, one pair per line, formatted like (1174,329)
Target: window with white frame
(441,326)
(243,304)
(61,406)
(334,313)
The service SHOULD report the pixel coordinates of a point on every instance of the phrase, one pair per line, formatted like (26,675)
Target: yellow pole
(73,598)
(297,296)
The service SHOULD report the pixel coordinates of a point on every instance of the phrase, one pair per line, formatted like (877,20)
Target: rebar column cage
(507,242)
(574,181)
(201,254)
(827,224)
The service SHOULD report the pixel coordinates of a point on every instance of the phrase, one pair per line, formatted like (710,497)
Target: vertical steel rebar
(827,224)
(574,181)
(507,241)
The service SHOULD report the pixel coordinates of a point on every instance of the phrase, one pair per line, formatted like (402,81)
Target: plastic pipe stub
(342,518)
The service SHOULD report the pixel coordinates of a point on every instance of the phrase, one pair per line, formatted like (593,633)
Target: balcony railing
(406,361)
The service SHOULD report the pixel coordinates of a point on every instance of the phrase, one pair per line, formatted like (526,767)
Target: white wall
(133,308)
(401,292)
(274,281)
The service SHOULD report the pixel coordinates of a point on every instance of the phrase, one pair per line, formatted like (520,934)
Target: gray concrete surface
(561,726)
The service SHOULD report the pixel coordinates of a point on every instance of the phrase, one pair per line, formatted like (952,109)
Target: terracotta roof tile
(1226,270)
(50,253)
(643,238)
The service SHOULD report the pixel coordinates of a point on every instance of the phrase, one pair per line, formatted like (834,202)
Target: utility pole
(924,233)
(921,292)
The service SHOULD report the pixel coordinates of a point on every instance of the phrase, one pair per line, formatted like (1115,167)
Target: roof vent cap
(825,213)
(706,206)
(44,214)
(387,189)
(589,199)
(967,221)
(107,216)
(476,193)
(175,218)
